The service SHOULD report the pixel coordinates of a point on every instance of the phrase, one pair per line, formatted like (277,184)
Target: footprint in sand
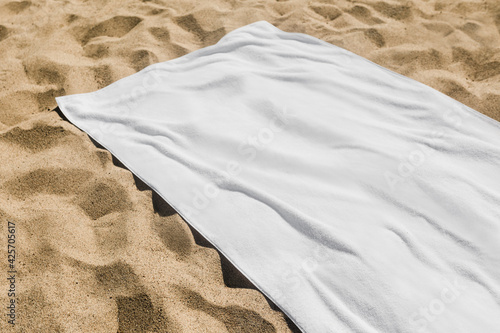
(107,207)
(329,12)
(102,197)
(46,72)
(96,50)
(396,12)
(191,24)
(160,34)
(46,181)
(46,99)
(458,92)
(89,223)
(103,156)
(480,66)
(117,26)
(405,59)
(103,75)
(442,28)
(375,37)
(142,58)
(282,8)
(462,55)
(38,138)
(17,6)
(137,314)
(486,71)
(364,15)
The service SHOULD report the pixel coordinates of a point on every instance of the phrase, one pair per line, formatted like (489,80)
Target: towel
(356,199)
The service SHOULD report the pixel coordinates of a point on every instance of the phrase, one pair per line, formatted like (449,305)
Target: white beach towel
(358,200)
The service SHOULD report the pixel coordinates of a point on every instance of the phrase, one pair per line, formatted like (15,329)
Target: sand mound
(98,251)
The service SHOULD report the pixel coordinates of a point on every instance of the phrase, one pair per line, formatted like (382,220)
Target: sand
(97,250)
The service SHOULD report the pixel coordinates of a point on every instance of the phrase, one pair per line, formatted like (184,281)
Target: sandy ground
(97,251)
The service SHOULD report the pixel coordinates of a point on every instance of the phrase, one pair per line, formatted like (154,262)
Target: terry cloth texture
(355,198)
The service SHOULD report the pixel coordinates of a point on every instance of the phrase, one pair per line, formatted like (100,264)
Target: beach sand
(97,250)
